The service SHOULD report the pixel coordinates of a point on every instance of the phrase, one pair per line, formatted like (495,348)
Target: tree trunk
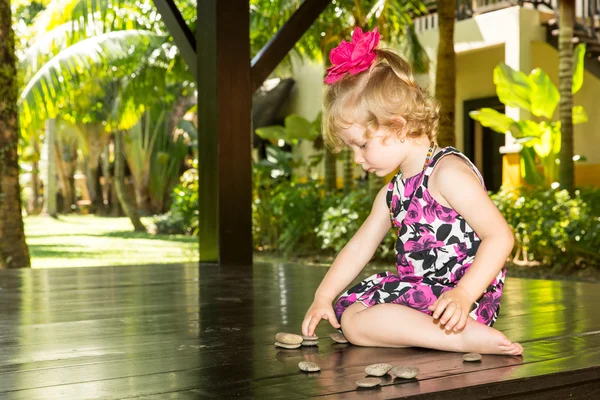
(565,79)
(13,248)
(51,184)
(64,179)
(33,207)
(96,138)
(142,197)
(445,78)
(330,165)
(119,180)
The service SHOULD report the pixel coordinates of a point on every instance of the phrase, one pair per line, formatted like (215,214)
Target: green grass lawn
(85,241)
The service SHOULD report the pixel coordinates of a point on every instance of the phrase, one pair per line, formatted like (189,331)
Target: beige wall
(474,80)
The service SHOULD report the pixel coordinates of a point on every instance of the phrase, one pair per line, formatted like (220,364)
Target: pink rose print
(354,56)
(433,209)
(488,305)
(419,298)
(414,212)
(425,242)
(411,185)
(461,252)
(459,272)
(395,201)
(404,266)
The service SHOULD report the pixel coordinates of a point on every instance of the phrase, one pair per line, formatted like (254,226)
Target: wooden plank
(284,40)
(224,143)
(161,332)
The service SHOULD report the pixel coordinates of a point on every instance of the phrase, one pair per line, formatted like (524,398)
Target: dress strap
(450,151)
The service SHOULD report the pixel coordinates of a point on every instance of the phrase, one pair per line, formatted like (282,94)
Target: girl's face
(382,153)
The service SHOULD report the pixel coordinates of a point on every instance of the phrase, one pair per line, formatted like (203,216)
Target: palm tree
(13,248)
(445,81)
(565,78)
(122,39)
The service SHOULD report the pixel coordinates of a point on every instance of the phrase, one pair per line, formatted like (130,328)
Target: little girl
(452,241)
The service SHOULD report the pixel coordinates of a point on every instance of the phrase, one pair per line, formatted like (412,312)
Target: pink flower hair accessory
(354,56)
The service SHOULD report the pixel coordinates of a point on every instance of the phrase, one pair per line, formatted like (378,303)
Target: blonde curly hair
(376,98)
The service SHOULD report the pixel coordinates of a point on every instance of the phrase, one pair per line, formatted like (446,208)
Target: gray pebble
(472,357)
(338,337)
(368,382)
(405,372)
(288,338)
(287,346)
(310,338)
(308,366)
(378,369)
(310,343)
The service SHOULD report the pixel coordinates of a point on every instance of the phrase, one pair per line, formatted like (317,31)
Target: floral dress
(434,249)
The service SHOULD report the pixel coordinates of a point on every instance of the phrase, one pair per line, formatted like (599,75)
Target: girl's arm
(348,264)
(458,186)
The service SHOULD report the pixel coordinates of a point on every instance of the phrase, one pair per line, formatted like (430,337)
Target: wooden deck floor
(189,332)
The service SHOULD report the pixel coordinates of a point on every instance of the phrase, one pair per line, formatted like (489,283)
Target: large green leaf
(579,115)
(271,133)
(54,84)
(493,119)
(578,66)
(529,170)
(299,128)
(544,95)
(513,87)
(48,44)
(529,128)
(544,144)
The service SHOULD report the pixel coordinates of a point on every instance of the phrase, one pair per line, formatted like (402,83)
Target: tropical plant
(81,50)
(552,228)
(541,139)
(294,130)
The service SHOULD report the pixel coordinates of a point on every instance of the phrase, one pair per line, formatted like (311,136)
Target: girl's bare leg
(394,325)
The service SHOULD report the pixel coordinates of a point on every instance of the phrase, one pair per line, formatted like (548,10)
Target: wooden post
(224,122)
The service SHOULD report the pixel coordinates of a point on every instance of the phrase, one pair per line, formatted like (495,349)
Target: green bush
(551,227)
(183,217)
(170,223)
(344,216)
(285,215)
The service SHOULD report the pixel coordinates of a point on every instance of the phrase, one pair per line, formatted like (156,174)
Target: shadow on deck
(189,332)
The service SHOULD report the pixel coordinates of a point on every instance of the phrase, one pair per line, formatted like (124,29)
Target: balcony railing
(587,12)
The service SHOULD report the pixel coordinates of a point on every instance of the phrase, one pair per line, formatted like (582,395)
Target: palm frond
(51,88)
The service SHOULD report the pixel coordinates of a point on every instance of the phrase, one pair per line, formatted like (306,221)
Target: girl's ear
(399,121)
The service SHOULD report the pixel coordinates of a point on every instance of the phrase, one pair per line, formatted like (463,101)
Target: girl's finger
(305,325)
(439,309)
(313,325)
(448,313)
(450,325)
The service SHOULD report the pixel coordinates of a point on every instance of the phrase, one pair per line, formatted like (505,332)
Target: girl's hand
(319,309)
(452,308)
